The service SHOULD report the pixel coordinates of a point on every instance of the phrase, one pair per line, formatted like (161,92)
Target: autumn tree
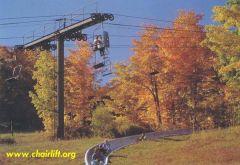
(22,86)
(5,55)
(15,102)
(79,88)
(148,68)
(190,69)
(44,94)
(137,84)
(170,77)
(125,93)
(223,39)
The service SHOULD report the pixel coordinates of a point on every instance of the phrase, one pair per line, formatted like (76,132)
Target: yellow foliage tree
(224,40)
(44,94)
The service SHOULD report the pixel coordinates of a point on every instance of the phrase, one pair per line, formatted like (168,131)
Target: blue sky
(165,10)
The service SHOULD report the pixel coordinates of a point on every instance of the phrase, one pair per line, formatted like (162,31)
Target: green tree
(224,40)
(44,93)
(103,122)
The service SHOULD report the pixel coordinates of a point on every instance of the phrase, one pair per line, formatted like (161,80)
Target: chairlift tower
(71,32)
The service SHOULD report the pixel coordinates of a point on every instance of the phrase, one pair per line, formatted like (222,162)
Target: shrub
(122,124)
(123,127)
(103,122)
(73,132)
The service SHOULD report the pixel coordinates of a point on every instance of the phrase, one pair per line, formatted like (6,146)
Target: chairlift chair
(99,65)
(101,43)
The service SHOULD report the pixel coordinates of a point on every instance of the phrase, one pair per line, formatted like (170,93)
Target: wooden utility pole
(153,73)
(156,96)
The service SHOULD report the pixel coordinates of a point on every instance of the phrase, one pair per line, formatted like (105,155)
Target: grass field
(216,147)
(30,142)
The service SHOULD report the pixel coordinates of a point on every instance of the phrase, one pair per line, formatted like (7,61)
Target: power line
(7,38)
(132,36)
(22,25)
(149,19)
(80,14)
(77,14)
(24,22)
(170,47)
(144,18)
(148,27)
(40,16)
(32,21)
(53,23)
(122,25)
(19,37)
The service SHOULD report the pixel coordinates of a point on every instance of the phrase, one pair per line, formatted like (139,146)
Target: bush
(106,125)
(122,124)
(103,122)
(123,127)
(72,132)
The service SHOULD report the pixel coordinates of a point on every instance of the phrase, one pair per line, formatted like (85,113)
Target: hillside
(215,147)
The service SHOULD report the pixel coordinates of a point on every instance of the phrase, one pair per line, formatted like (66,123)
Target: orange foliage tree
(190,68)
(78,87)
(172,75)
(147,62)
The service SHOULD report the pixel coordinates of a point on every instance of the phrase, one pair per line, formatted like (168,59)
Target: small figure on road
(142,137)
(98,157)
(105,147)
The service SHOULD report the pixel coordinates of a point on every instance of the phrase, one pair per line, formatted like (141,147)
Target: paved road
(119,143)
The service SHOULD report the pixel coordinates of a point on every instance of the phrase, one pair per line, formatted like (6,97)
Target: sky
(120,37)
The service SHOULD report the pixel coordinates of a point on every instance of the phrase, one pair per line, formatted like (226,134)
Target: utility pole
(74,32)
(156,96)
(153,73)
(60,86)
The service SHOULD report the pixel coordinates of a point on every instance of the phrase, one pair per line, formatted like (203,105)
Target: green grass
(30,142)
(215,147)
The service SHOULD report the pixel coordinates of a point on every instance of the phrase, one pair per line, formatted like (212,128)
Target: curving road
(119,143)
